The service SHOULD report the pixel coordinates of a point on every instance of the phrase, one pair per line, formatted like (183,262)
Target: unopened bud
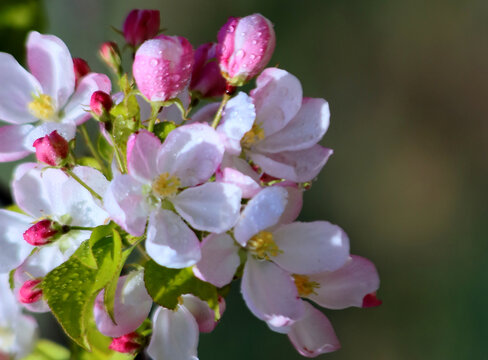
(245,47)
(141,25)
(81,68)
(128,343)
(162,67)
(206,78)
(30,292)
(41,233)
(100,104)
(52,149)
(110,54)
(370,300)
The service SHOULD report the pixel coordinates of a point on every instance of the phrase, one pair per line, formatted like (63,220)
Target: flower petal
(126,204)
(303,131)
(12,142)
(175,335)
(206,113)
(220,260)
(313,334)
(66,130)
(77,109)
(270,293)
(294,204)
(16,91)
(297,166)
(29,190)
(212,207)
(131,307)
(248,185)
(14,248)
(192,153)
(142,149)
(170,242)
(50,62)
(261,212)
(346,286)
(203,314)
(277,98)
(312,247)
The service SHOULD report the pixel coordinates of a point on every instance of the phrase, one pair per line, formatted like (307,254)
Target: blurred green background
(407,84)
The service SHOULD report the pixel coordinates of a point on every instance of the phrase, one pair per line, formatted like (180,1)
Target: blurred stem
(218,115)
(82,183)
(118,157)
(93,151)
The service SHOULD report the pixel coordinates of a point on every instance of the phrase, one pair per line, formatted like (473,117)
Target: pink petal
(192,153)
(51,63)
(77,108)
(142,148)
(12,142)
(14,248)
(313,334)
(294,204)
(219,261)
(312,247)
(346,286)
(202,313)
(248,185)
(126,204)
(270,293)
(175,335)
(297,166)
(29,191)
(277,98)
(303,131)
(261,212)
(206,113)
(131,307)
(212,207)
(170,242)
(16,91)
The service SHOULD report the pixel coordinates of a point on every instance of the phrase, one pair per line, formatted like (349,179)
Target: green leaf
(15,208)
(165,286)
(126,120)
(162,129)
(105,150)
(89,161)
(47,350)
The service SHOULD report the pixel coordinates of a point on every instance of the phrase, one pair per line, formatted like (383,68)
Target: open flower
(44,100)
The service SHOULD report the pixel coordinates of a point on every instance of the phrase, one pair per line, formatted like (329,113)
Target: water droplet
(230,29)
(254,42)
(175,77)
(240,54)
(252,57)
(154,62)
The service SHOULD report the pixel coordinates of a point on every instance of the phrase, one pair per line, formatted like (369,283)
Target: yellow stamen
(42,107)
(252,136)
(165,185)
(304,285)
(262,245)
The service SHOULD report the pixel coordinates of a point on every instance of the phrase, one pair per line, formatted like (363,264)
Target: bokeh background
(407,84)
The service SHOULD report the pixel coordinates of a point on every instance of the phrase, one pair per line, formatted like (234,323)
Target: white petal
(206,113)
(170,242)
(312,247)
(248,185)
(29,191)
(66,130)
(204,316)
(212,207)
(12,142)
(93,178)
(219,261)
(294,204)
(261,212)
(16,91)
(142,149)
(175,335)
(14,248)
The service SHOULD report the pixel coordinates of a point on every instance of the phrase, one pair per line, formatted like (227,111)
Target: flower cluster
(190,186)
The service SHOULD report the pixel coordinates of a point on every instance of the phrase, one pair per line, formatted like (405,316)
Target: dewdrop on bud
(127,344)
(206,78)
(141,25)
(163,66)
(245,47)
(52,149)
(41,233)
(81,68)
(100,104)
(110,54)
(30,292)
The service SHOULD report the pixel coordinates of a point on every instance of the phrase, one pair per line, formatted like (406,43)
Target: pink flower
(163,66)
(127,344)
(167,175)
(141,25)
(52,149)
(100,102)
(246,46)
(110,54)
(47,94)
(206,78)
(30,291)
(81,69)
(41,233)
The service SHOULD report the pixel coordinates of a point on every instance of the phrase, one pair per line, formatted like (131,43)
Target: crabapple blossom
(141,25)
(52,149)
(206,78)
(81,69)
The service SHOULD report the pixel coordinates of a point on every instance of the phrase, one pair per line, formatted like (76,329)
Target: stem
(218,115)
(80,228)
(82,183)
(92,149)
(155,109)
(142,251)
(120,163)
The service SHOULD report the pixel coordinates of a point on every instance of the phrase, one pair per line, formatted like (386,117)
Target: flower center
(304,285)
(42,107)
(252,136)
(262,245)
(165,185)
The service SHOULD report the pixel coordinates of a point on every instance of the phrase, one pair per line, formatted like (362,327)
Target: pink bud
(81,68)
(246,46)
(141,25)
(41,233)
(163,66)
(128,343)
(51,149)
(100,102)
(370,300)
(110,54)
(30,292)
(206,77)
